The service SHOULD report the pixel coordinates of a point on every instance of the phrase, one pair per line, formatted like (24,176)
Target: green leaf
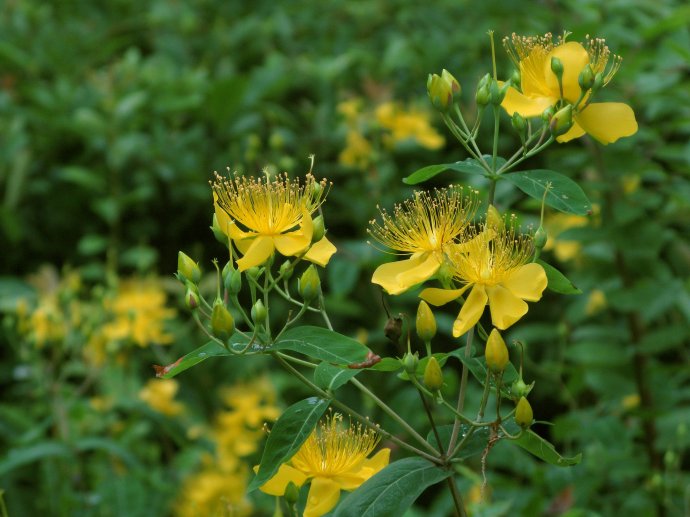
(210,349)
(392,490)
(477,366)
(564,194)
(330,377)
(539,447)
(558,282)
(18,457)
(469,166)
(474,445)
(323,344)
(287,435)
(387,364)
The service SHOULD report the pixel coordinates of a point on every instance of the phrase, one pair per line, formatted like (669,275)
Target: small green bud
(586,78)
(222,322)
(557,68)
(433,376)
(291,493)
(497,93)
(519,125)
(484,81)
(286,270)
(233,282)
(515,78)
(519,389)
(319,229)
(496,353)
(226,272)
(410,362)
(562,121)
(598,82)
(309,284)
(440,92)
(218,233)
(393,329)
(548,114)
(191,299)
(483,96)
(259,313)
(494,220)
(253,272)
(523,413)
(317,189)
(540,238)
(187,268)
(426,323)
(452,81)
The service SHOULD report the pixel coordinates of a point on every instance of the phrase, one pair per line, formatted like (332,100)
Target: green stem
(485,396)
(461,394)
(457,498)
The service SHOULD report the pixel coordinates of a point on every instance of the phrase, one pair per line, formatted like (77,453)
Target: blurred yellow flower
(270,211)
(409,124)
(334,457)
(495,265)
(424,227)
(357,151)
(557,223)
(596,302)
(540,87)
(159,395)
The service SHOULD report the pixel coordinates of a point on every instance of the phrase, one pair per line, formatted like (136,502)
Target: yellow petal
(574,132)
(515,102)
(440,297)
(527,282)
(574,58)
(257,254)
(233,231)
(277,484)
(608,121)
(293,243)
(244,244)
(471,311)
(322,498)
(320,253)
(505,307)
(353,479)
(378,460)
(224,220)
(398,277)
(307,225)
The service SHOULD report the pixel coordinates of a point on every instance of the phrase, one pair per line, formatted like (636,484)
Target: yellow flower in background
(159,395)
(424,227)
(411,124)
(495,265)
(334,458)
(357,151)
(556,224)
(274,215)
(540,88)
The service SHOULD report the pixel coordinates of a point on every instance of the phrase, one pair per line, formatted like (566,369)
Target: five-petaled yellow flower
(425,227)
(494,263)
(273,214)
(334,457)
(605,121)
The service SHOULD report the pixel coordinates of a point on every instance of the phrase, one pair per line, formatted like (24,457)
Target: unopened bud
(519,125)
(496,353)
(548,114)
(519,389)
(440,92)
(562,121)
(497,93)
(586,78)
(191,299)
(515,78)
(222,322)
(540,238)
(187,268)
(494,220)
(482,96)
(233,282)
(410,362)
(426,323)
(523,413)
(226,271)
(452,81)
(598,82)
(286,270)
(253,272)
(433,376)
(259,313)
(557,68)
(319,229)
(317,189)
(218,233)
(309,284)
(393,329)
(291,493)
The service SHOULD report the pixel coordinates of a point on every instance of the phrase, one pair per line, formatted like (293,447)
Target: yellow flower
(425,227)
(408,125)
(357,151)
(270,211)
(495,264)
(335,459)
(606,121)
(159,394)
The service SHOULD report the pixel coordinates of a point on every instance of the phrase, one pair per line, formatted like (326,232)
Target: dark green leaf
(322,344)
(393,490)
(558,282)
(474,445)
(477,367)
(469,166)
(387,364)
(330,377)
(564,194)
(18,457)
(287,435)
(541,448)
(210,349)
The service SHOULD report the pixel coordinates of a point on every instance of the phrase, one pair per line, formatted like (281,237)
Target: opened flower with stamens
(424,227)
(334,457)
(262,216)
(494,265)
(540,86)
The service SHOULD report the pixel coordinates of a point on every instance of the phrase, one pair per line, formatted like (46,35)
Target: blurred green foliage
(114,114)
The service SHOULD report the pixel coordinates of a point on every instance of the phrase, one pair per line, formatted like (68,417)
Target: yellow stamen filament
(599,55)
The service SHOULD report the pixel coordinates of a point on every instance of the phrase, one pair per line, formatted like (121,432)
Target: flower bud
(309,284)
(519,125)
(393,329)
(187,268)
(319,229)
(562,121)
(548,113)
(452,81)
(515,77)
(259,313)
(523,413)
(557,68)
(286,270)
(586,78)
(226,272)
(440,92)
(598,82)
(426,323)
(496,353)
(482,96)
(222,322)
(540,238)
(497,93)
(494,220)
(253,272)
(291,493)
(519,389)
(191,298)
(433,376)
(410,362)
(218,233)
(233,282)
(317,189)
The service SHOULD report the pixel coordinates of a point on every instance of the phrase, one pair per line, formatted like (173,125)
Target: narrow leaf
(323,344)
(210,349)
(541,448)
(469,166)
(330,377)
(287,436)
(564,194)
(474,445)
(18,457)
(392,490)
(558,282)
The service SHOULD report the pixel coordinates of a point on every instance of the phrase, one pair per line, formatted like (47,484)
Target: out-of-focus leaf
(468,166)
(539,447)
(564,194)
(322,344)
(557,281)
